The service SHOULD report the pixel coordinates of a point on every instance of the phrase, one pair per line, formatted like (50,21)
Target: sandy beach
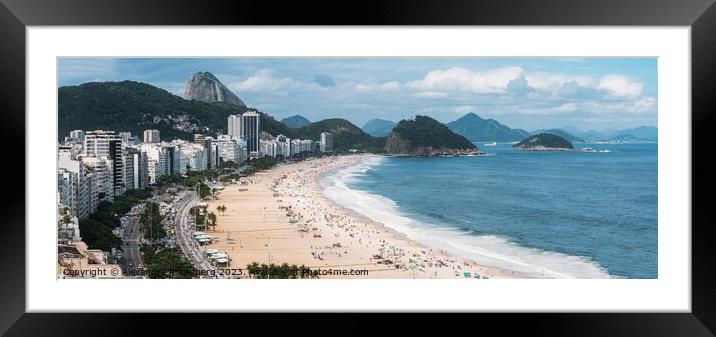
(281,216)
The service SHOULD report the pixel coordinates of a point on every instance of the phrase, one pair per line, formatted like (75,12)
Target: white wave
(489,250)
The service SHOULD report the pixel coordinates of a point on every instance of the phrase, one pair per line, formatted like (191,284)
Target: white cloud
(614,85)
(619,85)
(645,104)
(462,79)
(263,80)
(552,82)
(463,109)
(567,107)
(432,94)
(548,94)
(391,86)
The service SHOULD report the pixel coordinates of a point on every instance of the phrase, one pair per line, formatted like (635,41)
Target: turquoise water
(562,214)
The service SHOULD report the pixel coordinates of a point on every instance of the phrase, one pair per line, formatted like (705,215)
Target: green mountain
(543,141)
(423,135)
(378,127)
(561,133)
(295,121)
(346,136)
(135,106)
(477,129)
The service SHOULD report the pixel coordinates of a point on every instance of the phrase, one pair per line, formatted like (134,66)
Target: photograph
(486,164)
(355,167)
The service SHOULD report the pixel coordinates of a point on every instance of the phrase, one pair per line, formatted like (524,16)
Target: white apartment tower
(234,126)
(326,142)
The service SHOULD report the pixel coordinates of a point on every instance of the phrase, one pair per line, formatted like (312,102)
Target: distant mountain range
(477,129)
(649,133)
(296,121)
(642,133)
(561,133)
(378,127)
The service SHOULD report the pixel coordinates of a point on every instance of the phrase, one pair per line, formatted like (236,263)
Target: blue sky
(527,93)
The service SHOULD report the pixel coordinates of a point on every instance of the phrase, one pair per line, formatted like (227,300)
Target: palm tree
(285,270)
(264,271)
(211,220)
(253,269)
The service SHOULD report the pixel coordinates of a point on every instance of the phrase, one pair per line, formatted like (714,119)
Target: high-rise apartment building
(151,136)
(251,132)
(234,126)
(326,142)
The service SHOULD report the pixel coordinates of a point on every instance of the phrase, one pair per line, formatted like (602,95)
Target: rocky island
(544,142)
(424,136)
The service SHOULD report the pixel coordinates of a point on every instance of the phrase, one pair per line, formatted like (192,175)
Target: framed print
(430,160)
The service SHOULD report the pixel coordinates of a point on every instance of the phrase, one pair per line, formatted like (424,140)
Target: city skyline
(527,93)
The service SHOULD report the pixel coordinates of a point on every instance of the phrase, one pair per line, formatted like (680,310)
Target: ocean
(559,214)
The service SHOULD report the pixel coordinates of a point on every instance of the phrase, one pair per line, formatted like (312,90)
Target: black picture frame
(700,15)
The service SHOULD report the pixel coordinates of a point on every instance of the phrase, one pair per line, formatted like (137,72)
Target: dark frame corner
(700,15)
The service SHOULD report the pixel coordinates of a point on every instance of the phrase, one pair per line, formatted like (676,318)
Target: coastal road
(189,247)
(131,242)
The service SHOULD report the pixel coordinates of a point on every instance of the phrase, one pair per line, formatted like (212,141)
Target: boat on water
(491,144)
(589,149)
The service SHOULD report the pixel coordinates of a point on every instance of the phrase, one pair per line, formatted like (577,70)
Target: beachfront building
(285,147)
(212,158)
(189,157)
(158,160)
(326,142)
(230,149)
(151,136)
(282,146)
(299,146)
(107,144)
(269,148)
(251,132)
(234,126)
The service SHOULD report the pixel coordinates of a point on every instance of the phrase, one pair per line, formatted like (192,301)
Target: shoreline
(282,216)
